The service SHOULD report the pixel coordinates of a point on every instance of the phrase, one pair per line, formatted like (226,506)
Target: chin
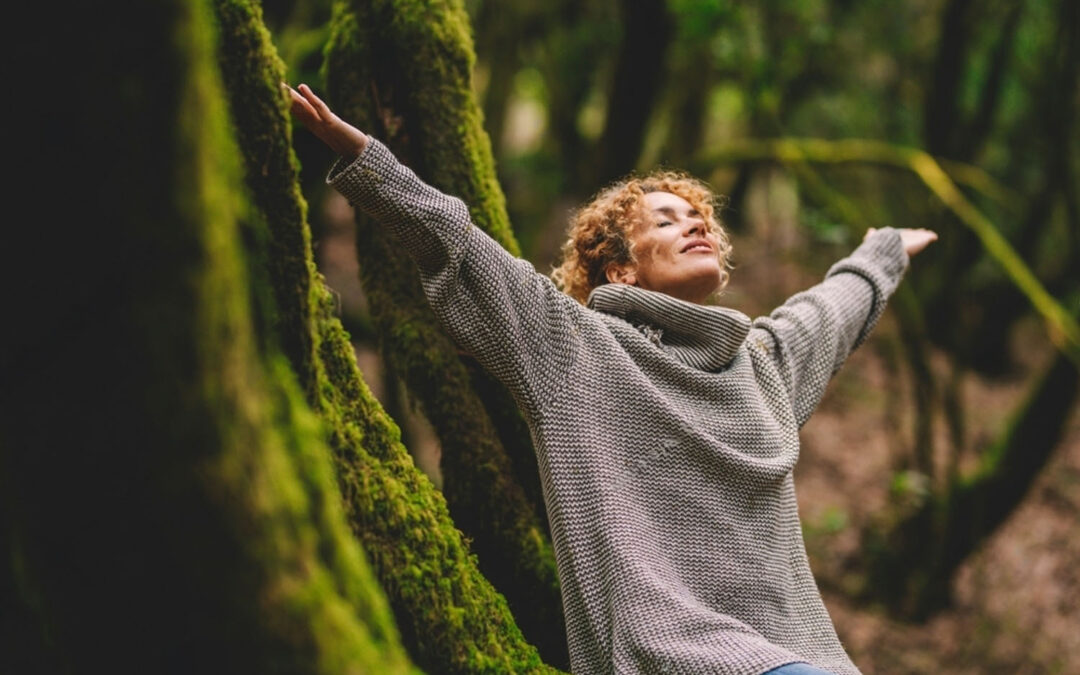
(709,282)
(699,289)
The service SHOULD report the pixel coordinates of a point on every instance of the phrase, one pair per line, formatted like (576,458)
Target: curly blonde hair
(600,232)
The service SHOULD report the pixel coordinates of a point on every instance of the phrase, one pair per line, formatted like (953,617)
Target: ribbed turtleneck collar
(703,336)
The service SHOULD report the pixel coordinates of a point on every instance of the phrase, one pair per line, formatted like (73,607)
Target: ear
(619,274)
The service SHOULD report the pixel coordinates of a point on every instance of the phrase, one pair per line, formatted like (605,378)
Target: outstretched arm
(811,335)
(497,307)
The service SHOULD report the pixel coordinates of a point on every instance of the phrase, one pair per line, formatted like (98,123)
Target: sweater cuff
(357,179)
(881,262)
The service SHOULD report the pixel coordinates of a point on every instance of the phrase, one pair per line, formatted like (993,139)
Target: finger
(293,94)
(306,96)
(918,243)
(305,113)
(324,110)
(303,109)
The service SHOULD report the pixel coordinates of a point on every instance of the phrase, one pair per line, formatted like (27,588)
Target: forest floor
(1016,601)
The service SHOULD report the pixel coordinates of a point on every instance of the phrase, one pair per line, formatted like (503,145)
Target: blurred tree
(914,557)
(693,71)
(601,65)
(1045,170)
(560,62)
(638,78)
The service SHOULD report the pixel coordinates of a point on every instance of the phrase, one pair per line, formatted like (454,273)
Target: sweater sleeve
(511,318)
(813,333)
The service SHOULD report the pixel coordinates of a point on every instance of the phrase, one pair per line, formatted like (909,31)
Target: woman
(666,430)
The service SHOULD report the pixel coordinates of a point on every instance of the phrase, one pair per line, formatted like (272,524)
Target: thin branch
(856,151)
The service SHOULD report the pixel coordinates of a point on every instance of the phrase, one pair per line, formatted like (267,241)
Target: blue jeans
(797,669)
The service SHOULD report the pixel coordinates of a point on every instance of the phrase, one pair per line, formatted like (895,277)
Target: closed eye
(663,223)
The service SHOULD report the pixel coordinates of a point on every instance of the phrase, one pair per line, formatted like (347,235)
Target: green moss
(317,586)
(485,502)
(185,500)
(250,64)
(450,615)
(418,63)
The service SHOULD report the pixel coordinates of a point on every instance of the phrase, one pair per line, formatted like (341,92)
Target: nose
(695,226)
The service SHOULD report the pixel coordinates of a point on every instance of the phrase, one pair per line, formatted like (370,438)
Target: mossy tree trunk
(452,620)
(402,71)
(168,503)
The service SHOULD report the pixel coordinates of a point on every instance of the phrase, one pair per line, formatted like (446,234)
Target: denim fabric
(797,669)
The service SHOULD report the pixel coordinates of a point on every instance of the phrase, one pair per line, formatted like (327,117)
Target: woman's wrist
(350,143)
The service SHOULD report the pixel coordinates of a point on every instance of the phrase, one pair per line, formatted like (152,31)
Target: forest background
(196,475)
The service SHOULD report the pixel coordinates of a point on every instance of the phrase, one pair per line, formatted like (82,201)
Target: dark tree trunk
(168,504)
(941,113)
(638,78)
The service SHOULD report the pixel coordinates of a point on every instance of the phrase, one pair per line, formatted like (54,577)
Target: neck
(696,293)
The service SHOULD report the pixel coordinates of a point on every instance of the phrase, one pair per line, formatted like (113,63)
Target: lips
(697,245)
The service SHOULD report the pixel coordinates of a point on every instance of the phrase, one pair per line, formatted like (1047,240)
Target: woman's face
(676,253)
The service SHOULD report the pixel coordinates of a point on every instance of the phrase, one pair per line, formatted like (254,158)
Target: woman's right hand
(342,137)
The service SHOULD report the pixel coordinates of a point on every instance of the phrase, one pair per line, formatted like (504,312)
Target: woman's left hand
(914,240)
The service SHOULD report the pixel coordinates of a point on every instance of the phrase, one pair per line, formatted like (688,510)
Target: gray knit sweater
(666,433)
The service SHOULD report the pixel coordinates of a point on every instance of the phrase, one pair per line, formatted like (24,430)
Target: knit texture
(666,433)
